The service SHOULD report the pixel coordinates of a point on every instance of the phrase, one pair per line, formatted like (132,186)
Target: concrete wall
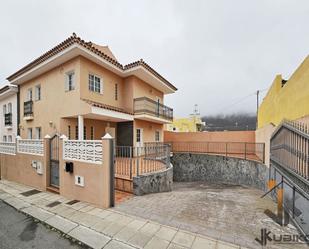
(156,182)
(212,136)
(210,168)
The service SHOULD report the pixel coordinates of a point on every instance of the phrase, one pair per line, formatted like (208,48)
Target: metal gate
(54,161)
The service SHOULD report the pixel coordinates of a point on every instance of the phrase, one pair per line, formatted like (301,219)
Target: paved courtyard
(229,213)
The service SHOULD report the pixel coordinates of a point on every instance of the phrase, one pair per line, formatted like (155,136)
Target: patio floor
(230,213)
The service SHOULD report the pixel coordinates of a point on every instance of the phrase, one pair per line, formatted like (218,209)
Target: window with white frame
(95,84)
(29,133)
(138,135)
(38,132)
(37,92)
(10,138)
(4,109)
(9,108)
(70,81)
(29,94)
(4,139)
(157,136)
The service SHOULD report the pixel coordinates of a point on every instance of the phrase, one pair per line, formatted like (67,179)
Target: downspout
(18,110)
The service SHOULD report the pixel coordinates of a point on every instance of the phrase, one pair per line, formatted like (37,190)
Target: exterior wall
(18,168)
(219,169)
(263,135)
(280,101)
(55,101)
(211,136)
(109,80)
(4,131)
(149,129)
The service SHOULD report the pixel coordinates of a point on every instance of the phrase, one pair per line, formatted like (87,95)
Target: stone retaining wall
(155,182)
(212,168)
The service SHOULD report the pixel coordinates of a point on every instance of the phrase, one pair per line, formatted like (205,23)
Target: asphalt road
(18,231)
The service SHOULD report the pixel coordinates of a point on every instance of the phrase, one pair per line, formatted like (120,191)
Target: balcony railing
(8,119)
(28,108)
(146,105)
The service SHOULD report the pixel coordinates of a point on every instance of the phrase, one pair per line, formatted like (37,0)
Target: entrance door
(54,161)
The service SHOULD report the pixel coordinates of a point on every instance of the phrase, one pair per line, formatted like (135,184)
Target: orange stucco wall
(224,136)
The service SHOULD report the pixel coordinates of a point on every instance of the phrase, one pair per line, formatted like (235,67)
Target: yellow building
(286,99)
(191,124)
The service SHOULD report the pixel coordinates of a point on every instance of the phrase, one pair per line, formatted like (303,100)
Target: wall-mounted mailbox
(69,167)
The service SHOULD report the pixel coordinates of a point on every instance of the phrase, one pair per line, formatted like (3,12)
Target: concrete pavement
(101,228)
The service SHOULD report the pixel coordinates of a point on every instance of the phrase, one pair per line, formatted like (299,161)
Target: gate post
(108,171)
(46,160)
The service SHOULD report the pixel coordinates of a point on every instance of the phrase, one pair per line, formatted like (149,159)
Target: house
(80,89)
(286,99)
(190,124)
(8,113)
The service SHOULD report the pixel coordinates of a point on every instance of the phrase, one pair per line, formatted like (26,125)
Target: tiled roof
(108,107)
(98,50)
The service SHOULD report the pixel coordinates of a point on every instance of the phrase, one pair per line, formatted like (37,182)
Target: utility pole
(257,106)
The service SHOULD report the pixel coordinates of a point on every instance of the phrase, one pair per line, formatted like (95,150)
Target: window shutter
(73,81)
(101,86)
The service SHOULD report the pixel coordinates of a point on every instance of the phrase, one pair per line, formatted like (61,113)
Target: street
(18,231)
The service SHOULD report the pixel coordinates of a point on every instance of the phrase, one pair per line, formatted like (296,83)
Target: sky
(217,53)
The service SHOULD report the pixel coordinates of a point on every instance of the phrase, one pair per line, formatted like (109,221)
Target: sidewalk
(100,228)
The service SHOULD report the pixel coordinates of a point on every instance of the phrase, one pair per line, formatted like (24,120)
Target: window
(29,133)
(85,134)
(38,133)
(76,132)
(10,138)
(37,92)
(116,91)
(69,132)
(70,81)
(95,84)
(4,138)
(29,94)
(157,136)
(9,107)
(92,133)
(138,135)
(4,109)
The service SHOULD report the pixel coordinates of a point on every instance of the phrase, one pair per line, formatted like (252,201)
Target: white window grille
(30,146)
(90,151)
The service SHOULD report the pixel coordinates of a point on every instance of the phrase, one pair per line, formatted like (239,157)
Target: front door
(54,161)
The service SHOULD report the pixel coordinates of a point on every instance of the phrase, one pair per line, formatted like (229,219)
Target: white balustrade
(8,148)
(89,151)
(30,146)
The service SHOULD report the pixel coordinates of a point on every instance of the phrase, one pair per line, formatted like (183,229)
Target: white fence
(8,148)
(30,146)
(89,151)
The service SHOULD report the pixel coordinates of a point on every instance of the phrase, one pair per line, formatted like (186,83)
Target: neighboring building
(191,124)
(286,99)
(8,113)
(79,89)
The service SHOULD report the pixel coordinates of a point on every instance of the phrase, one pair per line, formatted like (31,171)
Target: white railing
(89,151)
(8,148)
(30,146)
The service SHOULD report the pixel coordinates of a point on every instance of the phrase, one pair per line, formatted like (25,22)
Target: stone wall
(156,182)
(212,168)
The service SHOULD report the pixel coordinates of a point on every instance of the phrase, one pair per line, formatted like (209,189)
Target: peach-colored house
(79,89)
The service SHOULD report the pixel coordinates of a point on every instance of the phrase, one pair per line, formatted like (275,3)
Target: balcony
(150,110)
(28,110)
(8,120)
